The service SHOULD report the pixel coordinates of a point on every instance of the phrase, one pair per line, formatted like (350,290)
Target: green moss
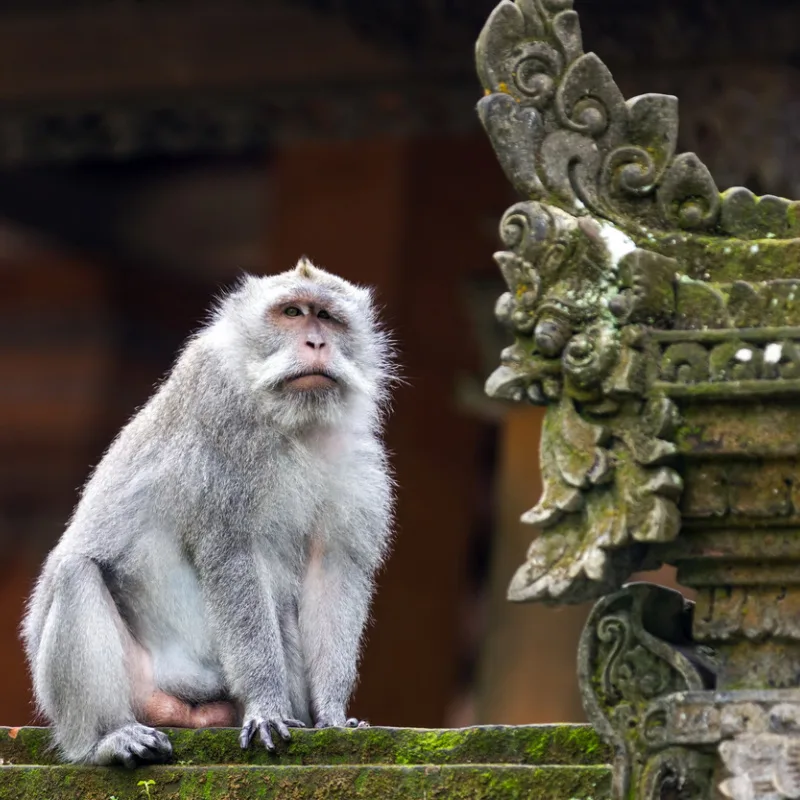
(724,260)
(27,746)
(524,744)
(562,762)
(431,747)
(309,783)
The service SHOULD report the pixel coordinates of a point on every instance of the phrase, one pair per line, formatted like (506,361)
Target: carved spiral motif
(686,362)
(614,631)
(589,356)
(536,71)
(580,351)
(630,170)
(695,213)
(531,79)
(590,116)
(551,336)
(513,230)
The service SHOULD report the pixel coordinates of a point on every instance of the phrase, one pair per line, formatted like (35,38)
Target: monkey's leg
(244,614)
(297,681)
(333,614)
(82,673)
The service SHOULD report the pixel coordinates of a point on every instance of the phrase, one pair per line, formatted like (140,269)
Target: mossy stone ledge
(548,762)
(558,762)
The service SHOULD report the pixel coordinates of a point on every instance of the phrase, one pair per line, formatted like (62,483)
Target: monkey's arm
(242,609)
(333,613)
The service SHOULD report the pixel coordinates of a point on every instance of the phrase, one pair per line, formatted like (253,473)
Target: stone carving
(658,320)
(648,689)
(579,291)
(563,131)
(635,649)
(764,766)
(615,313)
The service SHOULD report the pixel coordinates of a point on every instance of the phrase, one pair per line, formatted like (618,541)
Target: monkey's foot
(264,725)
(350,723)
(132,745)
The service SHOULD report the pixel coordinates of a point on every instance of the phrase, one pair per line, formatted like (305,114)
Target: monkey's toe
(325,722)
(265,726)
(133,745)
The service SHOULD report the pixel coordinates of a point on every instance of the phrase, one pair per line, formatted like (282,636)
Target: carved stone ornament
(636,648)
(658,320)
(633,283)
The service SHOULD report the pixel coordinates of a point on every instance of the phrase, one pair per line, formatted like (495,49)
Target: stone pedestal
(659,321)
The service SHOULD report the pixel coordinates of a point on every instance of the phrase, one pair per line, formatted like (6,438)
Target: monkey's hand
(264,726)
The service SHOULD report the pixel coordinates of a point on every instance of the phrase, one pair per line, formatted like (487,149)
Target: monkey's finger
(295,723)
(155,752)
(156,741)
(162,740)
(247,734)
(283,731)
(266,737)
(144,752)
(128,760)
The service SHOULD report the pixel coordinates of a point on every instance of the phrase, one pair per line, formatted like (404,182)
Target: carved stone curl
(636,648)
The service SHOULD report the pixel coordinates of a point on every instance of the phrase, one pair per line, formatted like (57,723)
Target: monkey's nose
(315,343)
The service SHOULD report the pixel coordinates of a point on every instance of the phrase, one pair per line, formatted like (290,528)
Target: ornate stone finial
(624,267)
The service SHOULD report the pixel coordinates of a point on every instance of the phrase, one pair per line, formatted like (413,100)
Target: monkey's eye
(323,314)
(292,311)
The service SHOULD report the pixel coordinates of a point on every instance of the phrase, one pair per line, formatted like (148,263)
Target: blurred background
(150,151)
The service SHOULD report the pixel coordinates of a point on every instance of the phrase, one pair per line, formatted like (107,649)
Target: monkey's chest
(292,500)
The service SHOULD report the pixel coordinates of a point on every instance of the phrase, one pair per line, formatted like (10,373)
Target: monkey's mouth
(307,381)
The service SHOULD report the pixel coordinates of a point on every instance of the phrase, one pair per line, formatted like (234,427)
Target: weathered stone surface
(559,762)
(487,782)
(528,745)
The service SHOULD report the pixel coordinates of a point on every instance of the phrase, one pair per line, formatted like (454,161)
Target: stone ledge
(485,782)
(526,745)
(547,762)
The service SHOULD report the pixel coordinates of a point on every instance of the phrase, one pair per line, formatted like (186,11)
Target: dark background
(150,151)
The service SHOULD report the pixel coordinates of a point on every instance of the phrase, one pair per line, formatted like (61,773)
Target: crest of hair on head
(305,269)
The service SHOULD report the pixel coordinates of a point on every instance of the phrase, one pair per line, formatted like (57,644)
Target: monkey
(219,566)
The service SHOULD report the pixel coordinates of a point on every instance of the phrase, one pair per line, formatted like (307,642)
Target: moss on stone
(524,744)
(307,783)
(724,260)
(562,762)
(26,746)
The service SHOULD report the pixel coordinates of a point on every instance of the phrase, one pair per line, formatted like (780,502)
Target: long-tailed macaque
(218,568)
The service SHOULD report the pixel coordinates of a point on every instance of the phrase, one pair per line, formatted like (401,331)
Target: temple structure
(657,320)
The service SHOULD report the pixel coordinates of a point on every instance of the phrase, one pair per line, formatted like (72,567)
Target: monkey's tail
(76,643)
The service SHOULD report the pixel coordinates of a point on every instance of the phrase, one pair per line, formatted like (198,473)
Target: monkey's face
(313,339)
(312,349)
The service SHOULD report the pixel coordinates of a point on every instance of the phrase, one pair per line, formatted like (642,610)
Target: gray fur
(231,531)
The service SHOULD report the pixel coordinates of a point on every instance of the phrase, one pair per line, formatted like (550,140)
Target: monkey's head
(307,344)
